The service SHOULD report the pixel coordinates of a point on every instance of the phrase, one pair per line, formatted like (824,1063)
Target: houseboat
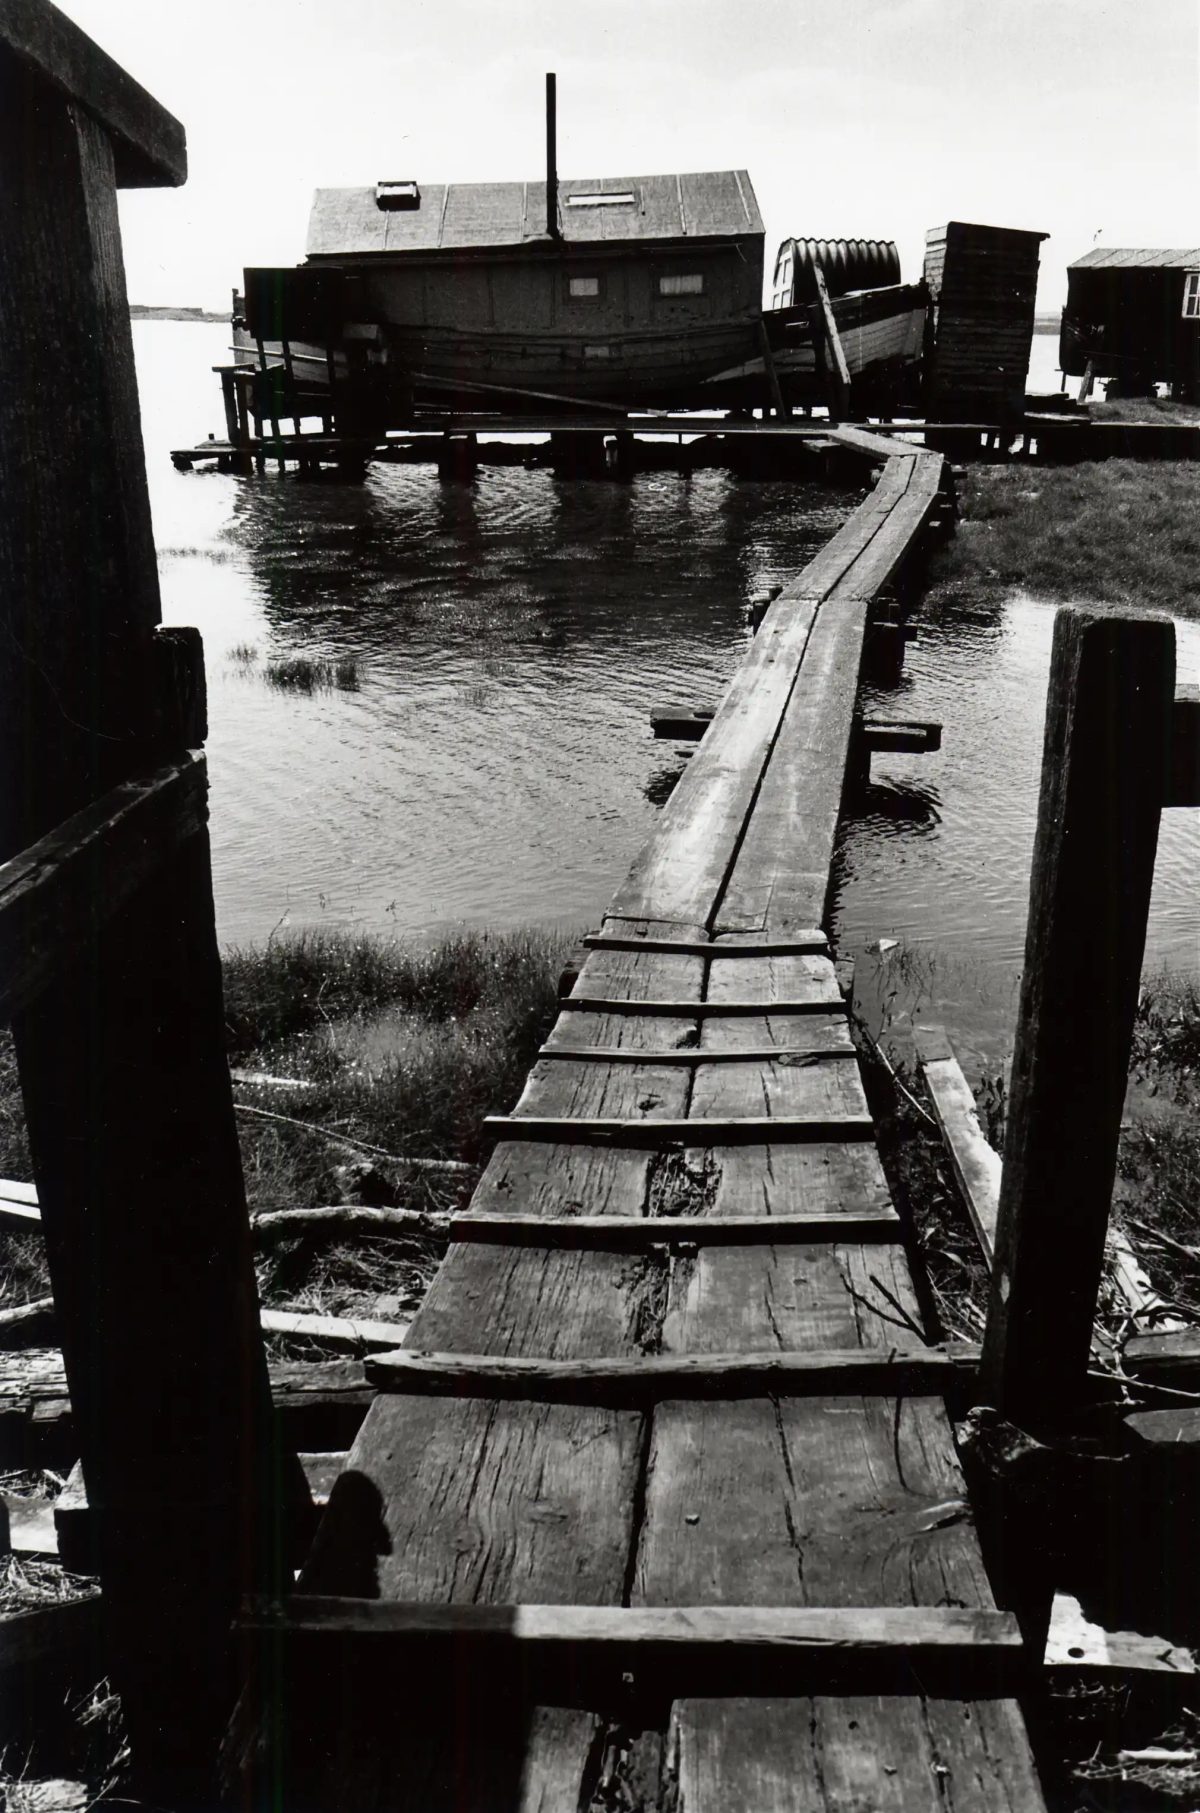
(626,290)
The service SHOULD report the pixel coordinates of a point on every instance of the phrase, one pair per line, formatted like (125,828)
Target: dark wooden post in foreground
(121,1058)
(1107,772)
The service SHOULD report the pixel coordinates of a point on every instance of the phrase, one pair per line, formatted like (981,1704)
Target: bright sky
(855,118)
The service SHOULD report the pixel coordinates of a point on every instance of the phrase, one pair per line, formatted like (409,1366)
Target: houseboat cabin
(1134,317)
(629,289)
(983,289)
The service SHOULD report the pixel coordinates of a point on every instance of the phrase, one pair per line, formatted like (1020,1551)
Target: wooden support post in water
(122,1058)
(1105,778)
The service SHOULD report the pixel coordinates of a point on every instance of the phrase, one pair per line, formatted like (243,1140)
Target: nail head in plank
(926,1371)
(709,1130)
(676,1650)
(849,1225)
(801,944)
(149,146)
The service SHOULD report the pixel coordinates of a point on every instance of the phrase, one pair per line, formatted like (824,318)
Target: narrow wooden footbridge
(659,1506)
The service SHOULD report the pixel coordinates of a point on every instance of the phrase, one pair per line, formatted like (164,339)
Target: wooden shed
(1134,316)
(983,286)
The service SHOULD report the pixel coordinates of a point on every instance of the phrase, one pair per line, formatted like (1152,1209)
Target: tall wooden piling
(121,1058)
(1105,778)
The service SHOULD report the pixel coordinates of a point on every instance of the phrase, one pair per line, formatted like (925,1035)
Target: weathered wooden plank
(976,1164)
(1075,1642)
(788,1056)
(658,1131)
(351,1334)
(608,1004)
(149,149)
(902,1370)
(806,943)
(1104,773)
(828,1755)
(781,875)
(666,1648)
(681,869)
(639,1231)
(475,1501)
(59,889)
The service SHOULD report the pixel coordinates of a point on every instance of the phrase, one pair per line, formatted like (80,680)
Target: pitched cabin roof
(712,204)
(1137,258)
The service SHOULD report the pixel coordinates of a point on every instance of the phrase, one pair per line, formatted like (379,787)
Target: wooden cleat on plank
(854,1371)
(706,1130)
(678,1651)
(812,943)
(700,1010)
(636,1231)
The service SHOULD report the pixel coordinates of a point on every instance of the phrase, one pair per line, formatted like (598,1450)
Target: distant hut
(983,286)
(1134,316)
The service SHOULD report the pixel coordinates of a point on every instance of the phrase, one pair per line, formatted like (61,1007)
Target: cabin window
(393,196)
(1191,296)
(602,198)
(597,352)
(584,289)
(682,283)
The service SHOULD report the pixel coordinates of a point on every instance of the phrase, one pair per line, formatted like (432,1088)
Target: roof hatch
(393,196)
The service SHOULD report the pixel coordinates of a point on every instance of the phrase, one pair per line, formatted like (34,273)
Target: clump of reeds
(308,674)
(243,654)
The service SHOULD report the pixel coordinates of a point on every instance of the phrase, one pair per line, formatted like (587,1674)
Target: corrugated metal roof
(1138,258)
(457,216)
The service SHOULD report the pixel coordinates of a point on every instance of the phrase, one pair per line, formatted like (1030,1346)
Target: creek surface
(490,763)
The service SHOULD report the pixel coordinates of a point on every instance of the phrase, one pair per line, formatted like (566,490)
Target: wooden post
(229,398)
(1105,778)
(122,1060)
(839,370)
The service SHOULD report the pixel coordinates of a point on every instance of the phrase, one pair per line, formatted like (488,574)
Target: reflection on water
(494,765)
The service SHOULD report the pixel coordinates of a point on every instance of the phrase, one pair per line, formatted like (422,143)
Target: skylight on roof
(598,198)
(392,196)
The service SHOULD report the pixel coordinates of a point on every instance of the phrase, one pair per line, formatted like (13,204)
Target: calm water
(494,766)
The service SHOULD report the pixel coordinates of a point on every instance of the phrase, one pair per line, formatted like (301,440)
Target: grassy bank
(1120,532)
(352,1054)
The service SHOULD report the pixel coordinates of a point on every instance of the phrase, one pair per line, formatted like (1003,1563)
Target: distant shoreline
(141,311)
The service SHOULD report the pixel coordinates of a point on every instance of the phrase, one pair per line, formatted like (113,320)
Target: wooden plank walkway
(653,1493)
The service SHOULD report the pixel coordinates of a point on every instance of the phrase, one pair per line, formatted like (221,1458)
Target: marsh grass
(243,654)
(1119,532)
(305,674)
(402,1049)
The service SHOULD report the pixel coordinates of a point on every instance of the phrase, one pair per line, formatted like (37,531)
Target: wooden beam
(881,736)
(804,944)
(927,1371)
(699,1010)
(840,370)
(121,1056)
(679,723)
(349,1334)
(1184,786)
(976,1165)
(1104,775)
(1074,1642)
(706,1130)
(1165,1359)
(148,144)
(636,1231)
(58,891)
(677,1651)
(790,1058)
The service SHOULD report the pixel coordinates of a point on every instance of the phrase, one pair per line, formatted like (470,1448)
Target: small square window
(1191,296)
(581,288)
(682,283)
